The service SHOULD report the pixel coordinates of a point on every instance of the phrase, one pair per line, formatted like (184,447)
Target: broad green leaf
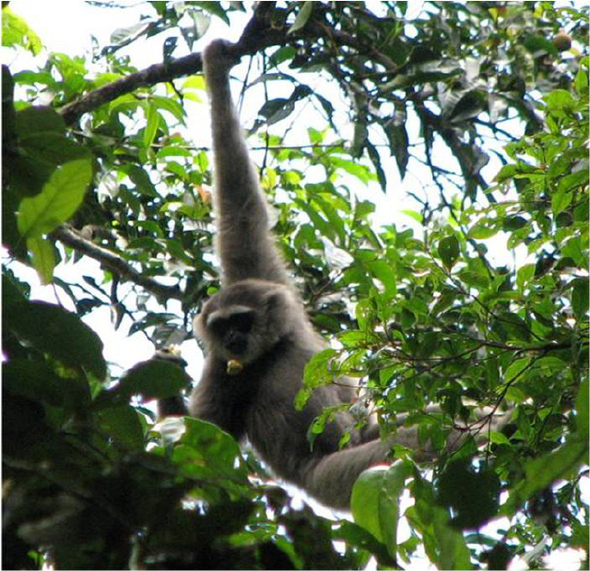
(448,250)
(153,379)
(524,275)
(36,380)
(375,501)
(511,223)
(561,200)
(276,109)
(580,294)
(216,9)
(356,535)
(383,271)
(573,249)
(170,105)
(122,36)
(485,228)
(454,553)
(39,120)
(317,371)
(56,203)
(538,44)
(205,451)
(541,472)
(444,545)
(302,17)
(560,100)
(43,258)
(59,333)
(201,23)
(123,425)
(515,325)
(515,369)
(417,216)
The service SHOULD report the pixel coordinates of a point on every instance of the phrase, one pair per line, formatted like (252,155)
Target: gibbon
(258,337)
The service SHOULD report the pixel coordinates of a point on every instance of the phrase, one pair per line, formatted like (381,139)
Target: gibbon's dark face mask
(233,330)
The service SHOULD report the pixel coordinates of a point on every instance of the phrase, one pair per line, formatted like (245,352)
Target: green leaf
(448,250)
(485,228)
(37,381)
(123,425)
(275,110)
(573,249)
(56,203)
(580,295)
(444,545)
(317,371)
(383,271)
(205,451)
(215,8)
(515,325)
(516,368)
(152,123)
(153,379)
(537,45)
(357,536)
(473,495)
(561,200)
(581,82)
(541,472)
(511,223)
(453,550)
(62,334)
(560,100)
(375,501)
(15,31)
(39,120)
(43,258)
(582,403)
(301,18)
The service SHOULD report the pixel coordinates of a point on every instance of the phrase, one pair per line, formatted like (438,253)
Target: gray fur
(257,402)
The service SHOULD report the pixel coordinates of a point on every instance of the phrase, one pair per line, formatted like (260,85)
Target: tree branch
(74,239)
(257,35)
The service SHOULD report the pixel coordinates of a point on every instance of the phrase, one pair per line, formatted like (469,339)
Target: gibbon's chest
(264,390)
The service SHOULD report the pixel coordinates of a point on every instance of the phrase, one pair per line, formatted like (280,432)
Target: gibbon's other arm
(244,243)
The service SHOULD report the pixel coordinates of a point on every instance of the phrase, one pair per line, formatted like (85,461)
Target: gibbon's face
(245,320)
(232,328)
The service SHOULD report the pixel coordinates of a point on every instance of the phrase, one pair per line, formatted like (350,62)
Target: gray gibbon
(258,337)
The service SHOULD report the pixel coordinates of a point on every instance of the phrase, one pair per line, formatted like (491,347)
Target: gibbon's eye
(242,321)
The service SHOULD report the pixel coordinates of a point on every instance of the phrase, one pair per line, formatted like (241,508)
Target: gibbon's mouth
(234,367)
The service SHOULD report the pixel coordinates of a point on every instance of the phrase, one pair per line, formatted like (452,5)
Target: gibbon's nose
(236,342)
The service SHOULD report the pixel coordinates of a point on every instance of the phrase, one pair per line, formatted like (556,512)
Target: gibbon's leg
(331,478)
(244,242)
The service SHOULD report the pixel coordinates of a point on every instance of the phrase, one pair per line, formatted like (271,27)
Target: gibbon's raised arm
(244,244)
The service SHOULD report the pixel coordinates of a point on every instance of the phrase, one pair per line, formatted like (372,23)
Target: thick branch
(72,238)
(156,73)
(258,35)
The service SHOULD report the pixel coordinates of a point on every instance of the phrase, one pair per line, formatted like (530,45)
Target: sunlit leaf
(60,198)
